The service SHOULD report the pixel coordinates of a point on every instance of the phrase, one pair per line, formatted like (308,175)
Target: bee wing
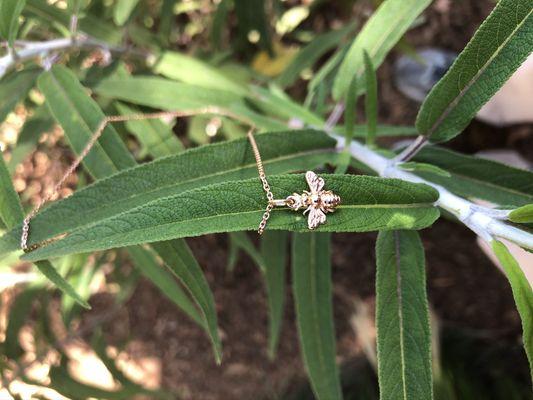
(315,182)
(316,217)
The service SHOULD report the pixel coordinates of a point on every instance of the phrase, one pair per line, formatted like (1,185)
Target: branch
(486,222)
(31,50)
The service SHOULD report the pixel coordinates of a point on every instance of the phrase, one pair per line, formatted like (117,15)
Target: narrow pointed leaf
(477,177)
(11,214)
(123,10)
(274,252)
(10,11)
(220,162)
(145,261)
(368,204)
(402,318)
(371,99)
(522,215)
(164,93)
(311,276)
(424,167)
(80,116)
(311,53)
(190,70)
(14,88)
(155,136)
(180,260)
(522,293)
(379,35)
(501,44)
(244,243)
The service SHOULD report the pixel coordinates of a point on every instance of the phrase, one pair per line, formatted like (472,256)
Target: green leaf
(274,253)
(371,99)
(167,94)
(221,162)
(180,260)
(500,45)
(350,112)
(379,35)
(11,212)
(368,204)
(10,11)
(89,24)
(243,242)
(311,53)
(402,318)
(311,276)
(123,10)
(14,88)
(156,137)
(195,72)
(48,270)
(424,167)
(477,177)
(145,261)
(522,293)
(522,215)
(80,117)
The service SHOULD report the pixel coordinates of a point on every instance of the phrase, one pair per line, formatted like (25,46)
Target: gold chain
(137,117)
(266,186)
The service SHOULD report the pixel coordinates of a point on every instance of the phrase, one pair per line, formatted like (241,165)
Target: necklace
(317,202)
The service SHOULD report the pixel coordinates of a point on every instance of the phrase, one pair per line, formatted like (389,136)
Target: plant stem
(482,220)
(31,50)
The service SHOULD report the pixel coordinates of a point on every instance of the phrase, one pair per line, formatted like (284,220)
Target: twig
(484,221)
(411,150)
(31,50)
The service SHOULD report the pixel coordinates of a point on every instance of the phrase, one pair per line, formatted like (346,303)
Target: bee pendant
(317,202)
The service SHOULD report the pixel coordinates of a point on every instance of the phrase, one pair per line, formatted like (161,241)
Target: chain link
(266,186)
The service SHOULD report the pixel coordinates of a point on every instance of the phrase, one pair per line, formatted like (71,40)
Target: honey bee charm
(317,202)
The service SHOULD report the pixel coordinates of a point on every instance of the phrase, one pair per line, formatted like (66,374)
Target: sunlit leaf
(522,215)
(123,10)
(311,276)
(156,137)
(379,35)
(371,99)
(501,44)
(190,70)
(10,11)
(311,53)
(402,317)
(522,293)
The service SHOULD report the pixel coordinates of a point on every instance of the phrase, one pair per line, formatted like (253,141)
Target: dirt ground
(465,289)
